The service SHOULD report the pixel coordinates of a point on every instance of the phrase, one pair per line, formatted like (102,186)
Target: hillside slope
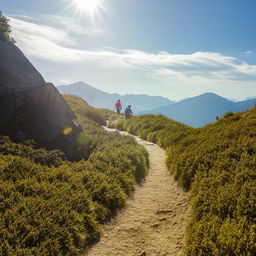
(101,99)
(201,110)
(50,206)
(217,164)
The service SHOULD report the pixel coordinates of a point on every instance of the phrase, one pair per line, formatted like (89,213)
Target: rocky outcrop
(31,108)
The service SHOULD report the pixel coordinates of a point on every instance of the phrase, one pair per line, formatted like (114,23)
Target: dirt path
(153,222)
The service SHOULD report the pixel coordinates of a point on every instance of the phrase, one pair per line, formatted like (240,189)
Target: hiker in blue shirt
(128,112)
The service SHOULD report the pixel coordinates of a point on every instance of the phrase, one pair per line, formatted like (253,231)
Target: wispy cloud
(69,24)
(24,30)
(248,53)
(54,43)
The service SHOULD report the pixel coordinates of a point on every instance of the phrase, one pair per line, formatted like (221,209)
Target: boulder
(30,108)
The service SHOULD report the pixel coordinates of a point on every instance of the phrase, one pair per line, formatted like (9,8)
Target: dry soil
(154,220)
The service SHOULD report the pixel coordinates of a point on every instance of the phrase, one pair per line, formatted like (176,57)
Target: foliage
(50,206)
(111,115)
(82,109)
(5,29)
(217,164)
(26,149)
(156,128)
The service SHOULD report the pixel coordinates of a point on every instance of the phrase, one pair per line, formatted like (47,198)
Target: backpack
(127,111)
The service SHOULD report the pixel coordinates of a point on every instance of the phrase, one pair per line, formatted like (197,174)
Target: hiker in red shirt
(118,107)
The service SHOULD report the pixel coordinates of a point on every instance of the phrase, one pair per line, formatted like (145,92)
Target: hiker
(128,112)
(118,107)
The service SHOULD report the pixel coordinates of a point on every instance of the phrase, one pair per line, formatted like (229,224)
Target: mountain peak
(101,99)
(200,110)
(79,83)
(210,95)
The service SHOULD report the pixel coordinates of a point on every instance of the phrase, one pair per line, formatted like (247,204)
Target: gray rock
(14,65)
(32,108)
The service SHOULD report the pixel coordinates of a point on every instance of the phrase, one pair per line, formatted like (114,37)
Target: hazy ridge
(101,99)
(194,111)
(201,110)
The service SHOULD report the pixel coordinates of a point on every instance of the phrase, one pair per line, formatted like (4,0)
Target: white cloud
(24,30)
(68,24)
(66,81)
(248,53)
(73,25)
(55,44)
(169,72)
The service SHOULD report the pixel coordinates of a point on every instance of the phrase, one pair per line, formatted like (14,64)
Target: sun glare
(87,6)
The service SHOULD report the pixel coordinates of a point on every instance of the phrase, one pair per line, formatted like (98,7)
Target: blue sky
(172,48)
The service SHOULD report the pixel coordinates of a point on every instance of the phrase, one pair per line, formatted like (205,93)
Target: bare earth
(153,222)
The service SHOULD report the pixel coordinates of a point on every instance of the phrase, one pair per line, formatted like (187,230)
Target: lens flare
(67,131)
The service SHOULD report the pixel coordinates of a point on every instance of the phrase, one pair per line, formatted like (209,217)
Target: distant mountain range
(195,111)
(251,98)
(101,99)
(200,110)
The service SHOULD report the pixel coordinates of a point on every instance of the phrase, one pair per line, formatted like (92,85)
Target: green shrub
(111,115)
(27,149)
(119,124)
(50,206)
(217,164)
(83,110)
(5,29)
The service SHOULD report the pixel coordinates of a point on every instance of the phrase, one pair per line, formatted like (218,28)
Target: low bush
(111,115)
(82,109)
(27,149)
(156,128)
(217,164)
(50,206)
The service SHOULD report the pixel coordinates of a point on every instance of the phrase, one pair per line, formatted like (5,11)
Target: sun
(87,6)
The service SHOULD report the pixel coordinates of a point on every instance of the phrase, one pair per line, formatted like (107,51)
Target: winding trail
(153,222)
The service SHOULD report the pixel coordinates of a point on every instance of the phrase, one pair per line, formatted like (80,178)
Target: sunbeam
(89,7)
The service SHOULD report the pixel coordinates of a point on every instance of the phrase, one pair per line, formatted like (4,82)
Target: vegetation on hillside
(156,128)
(111,115)
(50,206)
(5,29)
(85,111)
(217,164)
